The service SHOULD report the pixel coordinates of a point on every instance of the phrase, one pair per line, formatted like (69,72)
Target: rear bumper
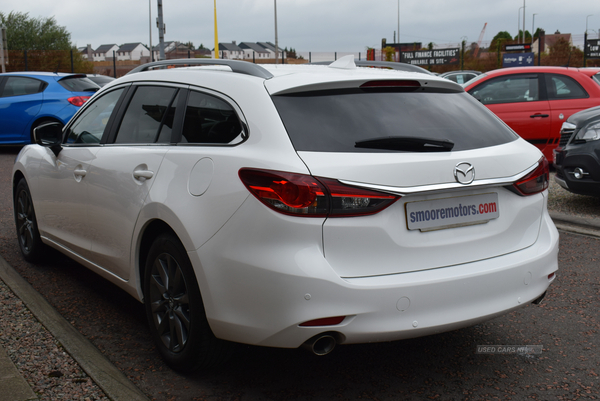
(259,294)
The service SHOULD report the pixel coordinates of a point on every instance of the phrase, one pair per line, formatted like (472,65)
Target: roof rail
(242,67)
(386,64)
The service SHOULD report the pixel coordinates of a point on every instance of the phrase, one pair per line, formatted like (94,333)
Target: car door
(566,97)
(62,204)
(518,101)
(20,101)
(123,172)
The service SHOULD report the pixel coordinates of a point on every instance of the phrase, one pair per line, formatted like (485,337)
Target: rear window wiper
(407,143)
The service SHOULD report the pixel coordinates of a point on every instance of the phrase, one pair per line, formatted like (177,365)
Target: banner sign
(519,47)
(592,49)
(517,59)
(432,57)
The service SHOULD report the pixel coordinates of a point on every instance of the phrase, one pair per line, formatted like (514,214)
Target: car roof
(548,69)
(40,74)
(286,78)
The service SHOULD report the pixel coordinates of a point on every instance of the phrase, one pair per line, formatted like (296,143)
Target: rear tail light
(535,182)
(305,195)
(391,84)
(78,100)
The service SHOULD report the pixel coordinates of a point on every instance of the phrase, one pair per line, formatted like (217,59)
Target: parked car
(289,205)
(577,158)
(535,101)
(100,79)
(460,77)
(30,99)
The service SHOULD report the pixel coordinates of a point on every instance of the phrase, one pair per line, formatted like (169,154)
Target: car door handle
(143,175)
(539,115)
(79,173)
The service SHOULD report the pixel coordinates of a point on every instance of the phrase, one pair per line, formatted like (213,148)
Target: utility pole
(161,32)
(523,21)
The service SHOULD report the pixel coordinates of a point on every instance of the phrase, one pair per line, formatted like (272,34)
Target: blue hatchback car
(29,99)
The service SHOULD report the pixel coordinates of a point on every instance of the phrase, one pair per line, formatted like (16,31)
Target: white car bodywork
(262,273)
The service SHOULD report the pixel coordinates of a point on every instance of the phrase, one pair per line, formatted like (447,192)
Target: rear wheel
(28,235)
(175,310)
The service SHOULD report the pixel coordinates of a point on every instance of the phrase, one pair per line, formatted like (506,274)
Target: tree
(519,37)
(26,33)
(190,45)
(499,40)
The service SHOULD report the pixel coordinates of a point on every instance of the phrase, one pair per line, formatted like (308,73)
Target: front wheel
(28,235)
(175,310)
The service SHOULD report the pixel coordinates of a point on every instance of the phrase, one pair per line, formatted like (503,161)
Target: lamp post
(150,28)
(523,21)
(276,39)
(586,22)
(532,28)
(519,25)
(398,21)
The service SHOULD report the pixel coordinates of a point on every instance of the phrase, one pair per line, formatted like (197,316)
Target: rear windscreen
(333,121)
(78,84)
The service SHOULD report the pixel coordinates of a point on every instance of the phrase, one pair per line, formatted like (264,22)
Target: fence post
(114,64)
(189,53)
(309,57)
(335,56)
(72,67)
(25,56)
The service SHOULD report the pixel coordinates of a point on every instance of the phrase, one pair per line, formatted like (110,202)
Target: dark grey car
(577,158)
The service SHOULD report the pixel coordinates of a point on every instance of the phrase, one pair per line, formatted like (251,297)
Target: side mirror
(49,135)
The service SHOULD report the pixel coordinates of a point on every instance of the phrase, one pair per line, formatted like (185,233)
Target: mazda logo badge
(464,173)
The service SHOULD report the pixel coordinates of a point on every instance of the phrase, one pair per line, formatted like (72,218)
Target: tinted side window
(508,89)
(18,86)
(149,116)
(209,119)
(563,87)
(90,125)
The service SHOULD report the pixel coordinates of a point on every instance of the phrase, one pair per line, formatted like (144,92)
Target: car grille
(565,135)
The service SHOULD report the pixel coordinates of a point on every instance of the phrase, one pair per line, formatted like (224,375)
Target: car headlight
(589,133)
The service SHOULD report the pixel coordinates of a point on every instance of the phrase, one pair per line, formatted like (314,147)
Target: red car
(535,101)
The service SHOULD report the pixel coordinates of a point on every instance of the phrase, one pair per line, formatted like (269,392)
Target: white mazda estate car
(283,205)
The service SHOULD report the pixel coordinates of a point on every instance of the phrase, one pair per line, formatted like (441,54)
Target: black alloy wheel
(175,310)
(25,221)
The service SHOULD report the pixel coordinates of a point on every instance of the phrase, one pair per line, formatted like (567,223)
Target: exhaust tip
(539,299)
(321,345)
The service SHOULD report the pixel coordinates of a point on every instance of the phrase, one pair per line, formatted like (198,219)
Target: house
(132,51)
(87,53)
(550,40)
(105,52)
(229,51)
(254,51)
(270,47)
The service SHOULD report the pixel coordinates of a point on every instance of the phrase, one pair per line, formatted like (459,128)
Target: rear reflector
(326,321)
(535,182)
(308,196)
(78,100)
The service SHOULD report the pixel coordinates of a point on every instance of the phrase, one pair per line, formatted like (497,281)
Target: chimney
(90,53)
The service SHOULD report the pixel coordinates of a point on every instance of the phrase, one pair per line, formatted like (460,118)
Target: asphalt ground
(443,366)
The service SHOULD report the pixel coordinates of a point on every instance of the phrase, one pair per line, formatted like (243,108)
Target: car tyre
(30,242)
(175,310)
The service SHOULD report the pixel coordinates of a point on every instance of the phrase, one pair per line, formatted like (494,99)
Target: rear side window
(335,121)
(563,87)
(19,86)
(78,84)
(508,89)
(209,120)
(149,116)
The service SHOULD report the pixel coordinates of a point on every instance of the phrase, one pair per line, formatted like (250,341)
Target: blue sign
(517,60)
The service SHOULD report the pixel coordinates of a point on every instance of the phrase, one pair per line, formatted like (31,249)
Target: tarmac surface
(111,380)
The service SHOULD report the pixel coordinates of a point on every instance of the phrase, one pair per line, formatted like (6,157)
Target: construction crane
(479,41)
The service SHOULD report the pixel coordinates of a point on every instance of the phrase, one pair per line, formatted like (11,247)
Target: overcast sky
(310,25)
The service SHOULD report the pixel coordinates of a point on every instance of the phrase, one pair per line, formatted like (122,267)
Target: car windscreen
(78,84)
(378,121)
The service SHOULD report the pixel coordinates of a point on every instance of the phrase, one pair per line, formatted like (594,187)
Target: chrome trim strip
(403,191)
